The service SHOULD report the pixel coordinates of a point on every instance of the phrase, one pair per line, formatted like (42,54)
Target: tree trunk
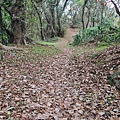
(102,11)
(59,31)
(83,10)
(40,20)
(93,22)
(88,17)
(59,12)
(18,22)
(52,11)
(48,17)
(1,23)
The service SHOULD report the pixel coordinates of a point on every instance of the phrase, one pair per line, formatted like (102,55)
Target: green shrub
(103,43)
(77,40)
(86,36)
(106,33)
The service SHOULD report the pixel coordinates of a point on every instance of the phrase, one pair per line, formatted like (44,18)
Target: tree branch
(116,8)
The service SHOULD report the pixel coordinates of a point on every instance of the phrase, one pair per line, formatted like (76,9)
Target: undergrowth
(104,35)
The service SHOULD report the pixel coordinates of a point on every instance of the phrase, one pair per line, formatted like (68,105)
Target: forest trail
(62,43)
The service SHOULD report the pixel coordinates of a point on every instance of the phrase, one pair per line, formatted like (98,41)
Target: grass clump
(101,48)
(48,43)
(45,50)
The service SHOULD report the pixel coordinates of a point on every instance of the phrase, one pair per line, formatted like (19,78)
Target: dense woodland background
(24,20)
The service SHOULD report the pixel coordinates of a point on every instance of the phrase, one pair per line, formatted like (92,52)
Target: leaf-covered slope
(59,87)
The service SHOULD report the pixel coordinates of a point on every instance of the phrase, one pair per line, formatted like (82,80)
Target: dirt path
(68,38)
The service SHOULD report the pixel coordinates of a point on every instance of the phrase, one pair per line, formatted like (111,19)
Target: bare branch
(116,8)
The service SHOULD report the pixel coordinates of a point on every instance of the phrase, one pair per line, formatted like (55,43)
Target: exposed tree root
(7,48)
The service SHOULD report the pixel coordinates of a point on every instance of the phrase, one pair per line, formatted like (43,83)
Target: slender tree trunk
(102,10)
(59,31)
(53,22)
(93,16)
(1,22)
(59,28)
(74,19)
(83,10)
(88,17)
(52,11)
(59,15)
(40,20)
(93,22)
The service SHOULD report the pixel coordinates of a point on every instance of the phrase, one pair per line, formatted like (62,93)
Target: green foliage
(101,48)
(6,21)
(106,33)
(79,2)
(103,43)
(85,36)
(90,33)
(9,115)
(77,40)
